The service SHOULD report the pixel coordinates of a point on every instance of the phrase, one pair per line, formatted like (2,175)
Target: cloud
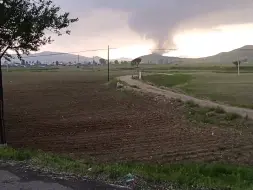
(123,21)
(160,20)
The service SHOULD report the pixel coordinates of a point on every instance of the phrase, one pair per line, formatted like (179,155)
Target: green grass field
(227,88)
(221,87)
(192,68)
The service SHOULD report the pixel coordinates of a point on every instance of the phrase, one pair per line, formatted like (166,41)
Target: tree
(23,62)
(124,62)
(239,62)
(116,62)
(102,61)
(38,62)
(136,62)
(57,63)
(236,63)
(24,25)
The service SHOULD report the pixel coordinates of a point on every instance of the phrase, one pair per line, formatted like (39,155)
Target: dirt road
(169,94)
(16,176)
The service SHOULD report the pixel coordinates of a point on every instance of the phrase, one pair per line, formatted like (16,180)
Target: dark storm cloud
(158,19)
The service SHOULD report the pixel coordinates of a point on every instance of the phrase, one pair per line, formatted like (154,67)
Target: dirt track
(152,89)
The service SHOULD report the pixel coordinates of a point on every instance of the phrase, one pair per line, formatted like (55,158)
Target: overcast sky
(195,27)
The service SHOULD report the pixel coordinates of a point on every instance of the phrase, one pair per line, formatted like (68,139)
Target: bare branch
(2,54)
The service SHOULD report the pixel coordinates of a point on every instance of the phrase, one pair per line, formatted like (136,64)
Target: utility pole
(93,63)
(108,63)
(238,66)
(2,126)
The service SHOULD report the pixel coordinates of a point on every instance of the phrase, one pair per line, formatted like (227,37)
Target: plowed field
(77,114)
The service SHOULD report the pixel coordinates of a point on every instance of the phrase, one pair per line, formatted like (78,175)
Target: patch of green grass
(61,163)
(168,80)
(186,175)
(217,68)
(44,70)
(32,69)
(219,110)
(13,154)
(224,88)
(214,115)
(232,116)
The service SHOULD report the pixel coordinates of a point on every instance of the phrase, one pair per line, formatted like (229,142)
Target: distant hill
(159,59)
(122,59)
(62,57)
(228,57)
(49,57)
(224,57)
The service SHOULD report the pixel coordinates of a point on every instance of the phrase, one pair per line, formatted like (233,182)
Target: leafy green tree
(136,62)
(23,62)
(102,61)
(124,62)
(116,62)
(239,62)
(24,25)
(38,62)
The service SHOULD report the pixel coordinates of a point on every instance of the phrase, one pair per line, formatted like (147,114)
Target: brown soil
(82,117)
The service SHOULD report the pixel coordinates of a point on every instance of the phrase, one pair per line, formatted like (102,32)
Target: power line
(164,49)
(89,50)
(53,54)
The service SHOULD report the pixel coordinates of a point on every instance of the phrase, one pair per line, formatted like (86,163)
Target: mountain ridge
(154,58)
(223,57)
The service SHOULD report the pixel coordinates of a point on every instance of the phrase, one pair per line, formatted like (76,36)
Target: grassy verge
(32,69)
(215,115)
(190,176)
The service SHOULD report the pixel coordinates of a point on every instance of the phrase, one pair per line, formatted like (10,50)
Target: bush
(232,116)
(219,110)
